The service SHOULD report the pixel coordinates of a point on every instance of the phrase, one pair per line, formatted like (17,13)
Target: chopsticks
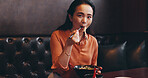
(74,33)
(94,75)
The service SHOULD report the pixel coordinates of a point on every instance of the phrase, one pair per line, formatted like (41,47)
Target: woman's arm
(66,53)
(61,54)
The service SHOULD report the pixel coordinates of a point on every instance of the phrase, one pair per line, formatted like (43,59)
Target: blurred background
(42,17)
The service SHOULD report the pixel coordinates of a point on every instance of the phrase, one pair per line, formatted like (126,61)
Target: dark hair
(68,24)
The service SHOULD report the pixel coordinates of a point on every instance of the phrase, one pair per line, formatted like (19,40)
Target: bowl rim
(92,66)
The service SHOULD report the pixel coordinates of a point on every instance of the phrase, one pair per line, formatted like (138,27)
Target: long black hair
(68,24)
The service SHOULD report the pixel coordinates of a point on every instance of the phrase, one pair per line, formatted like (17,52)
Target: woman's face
(82,17)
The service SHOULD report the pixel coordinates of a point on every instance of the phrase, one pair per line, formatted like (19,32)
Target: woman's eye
(79,15)
(89,17)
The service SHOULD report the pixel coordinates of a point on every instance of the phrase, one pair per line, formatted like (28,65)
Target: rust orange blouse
(83,53)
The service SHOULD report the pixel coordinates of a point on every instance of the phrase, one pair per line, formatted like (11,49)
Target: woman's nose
(84,20)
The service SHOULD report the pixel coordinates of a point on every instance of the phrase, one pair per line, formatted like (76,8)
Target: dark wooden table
(133,73)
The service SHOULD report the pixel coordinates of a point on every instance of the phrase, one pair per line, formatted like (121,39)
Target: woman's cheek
(89,23)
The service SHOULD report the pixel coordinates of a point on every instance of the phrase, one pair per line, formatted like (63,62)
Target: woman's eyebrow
(80,13)
(83,13)
(89,14)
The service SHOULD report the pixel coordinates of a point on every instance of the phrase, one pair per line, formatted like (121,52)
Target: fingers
(99,72)
(75,36)
(73,32)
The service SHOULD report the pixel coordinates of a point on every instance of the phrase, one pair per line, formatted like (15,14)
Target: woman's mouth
(83,28)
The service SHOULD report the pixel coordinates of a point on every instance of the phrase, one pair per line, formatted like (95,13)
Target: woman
(70,44)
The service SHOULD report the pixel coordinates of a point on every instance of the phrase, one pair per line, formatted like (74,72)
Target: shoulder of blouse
(92,38)
(59,32)
(55,32)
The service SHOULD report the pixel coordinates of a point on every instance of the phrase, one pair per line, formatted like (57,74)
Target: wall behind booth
(31,17)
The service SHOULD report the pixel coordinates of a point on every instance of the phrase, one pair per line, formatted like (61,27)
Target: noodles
(86,67)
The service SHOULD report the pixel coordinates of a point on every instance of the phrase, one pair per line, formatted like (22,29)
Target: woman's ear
(70,17)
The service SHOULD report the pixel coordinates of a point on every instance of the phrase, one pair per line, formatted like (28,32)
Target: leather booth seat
(25,57)
(122,51)
(30,57)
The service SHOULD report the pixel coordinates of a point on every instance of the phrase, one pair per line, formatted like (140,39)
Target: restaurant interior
(120,27)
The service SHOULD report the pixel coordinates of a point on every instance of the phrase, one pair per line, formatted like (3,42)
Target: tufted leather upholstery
(30,57)
(27,57)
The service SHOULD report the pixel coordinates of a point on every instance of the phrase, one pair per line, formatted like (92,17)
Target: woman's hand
(74,37)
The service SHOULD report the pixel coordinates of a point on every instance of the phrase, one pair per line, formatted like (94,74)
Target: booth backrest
(26,57)
(122,51)
(30,57)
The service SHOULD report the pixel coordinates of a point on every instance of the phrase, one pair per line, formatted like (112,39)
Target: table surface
(132,73)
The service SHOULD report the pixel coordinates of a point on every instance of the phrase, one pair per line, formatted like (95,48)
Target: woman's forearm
(65,55)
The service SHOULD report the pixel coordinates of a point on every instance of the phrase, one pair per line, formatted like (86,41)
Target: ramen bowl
(87,71)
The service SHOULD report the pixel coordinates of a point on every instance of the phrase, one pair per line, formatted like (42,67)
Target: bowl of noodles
(87,71)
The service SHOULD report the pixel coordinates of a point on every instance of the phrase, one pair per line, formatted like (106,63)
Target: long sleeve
(56,47)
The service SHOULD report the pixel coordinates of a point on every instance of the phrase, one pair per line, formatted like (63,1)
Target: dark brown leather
(30,56)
